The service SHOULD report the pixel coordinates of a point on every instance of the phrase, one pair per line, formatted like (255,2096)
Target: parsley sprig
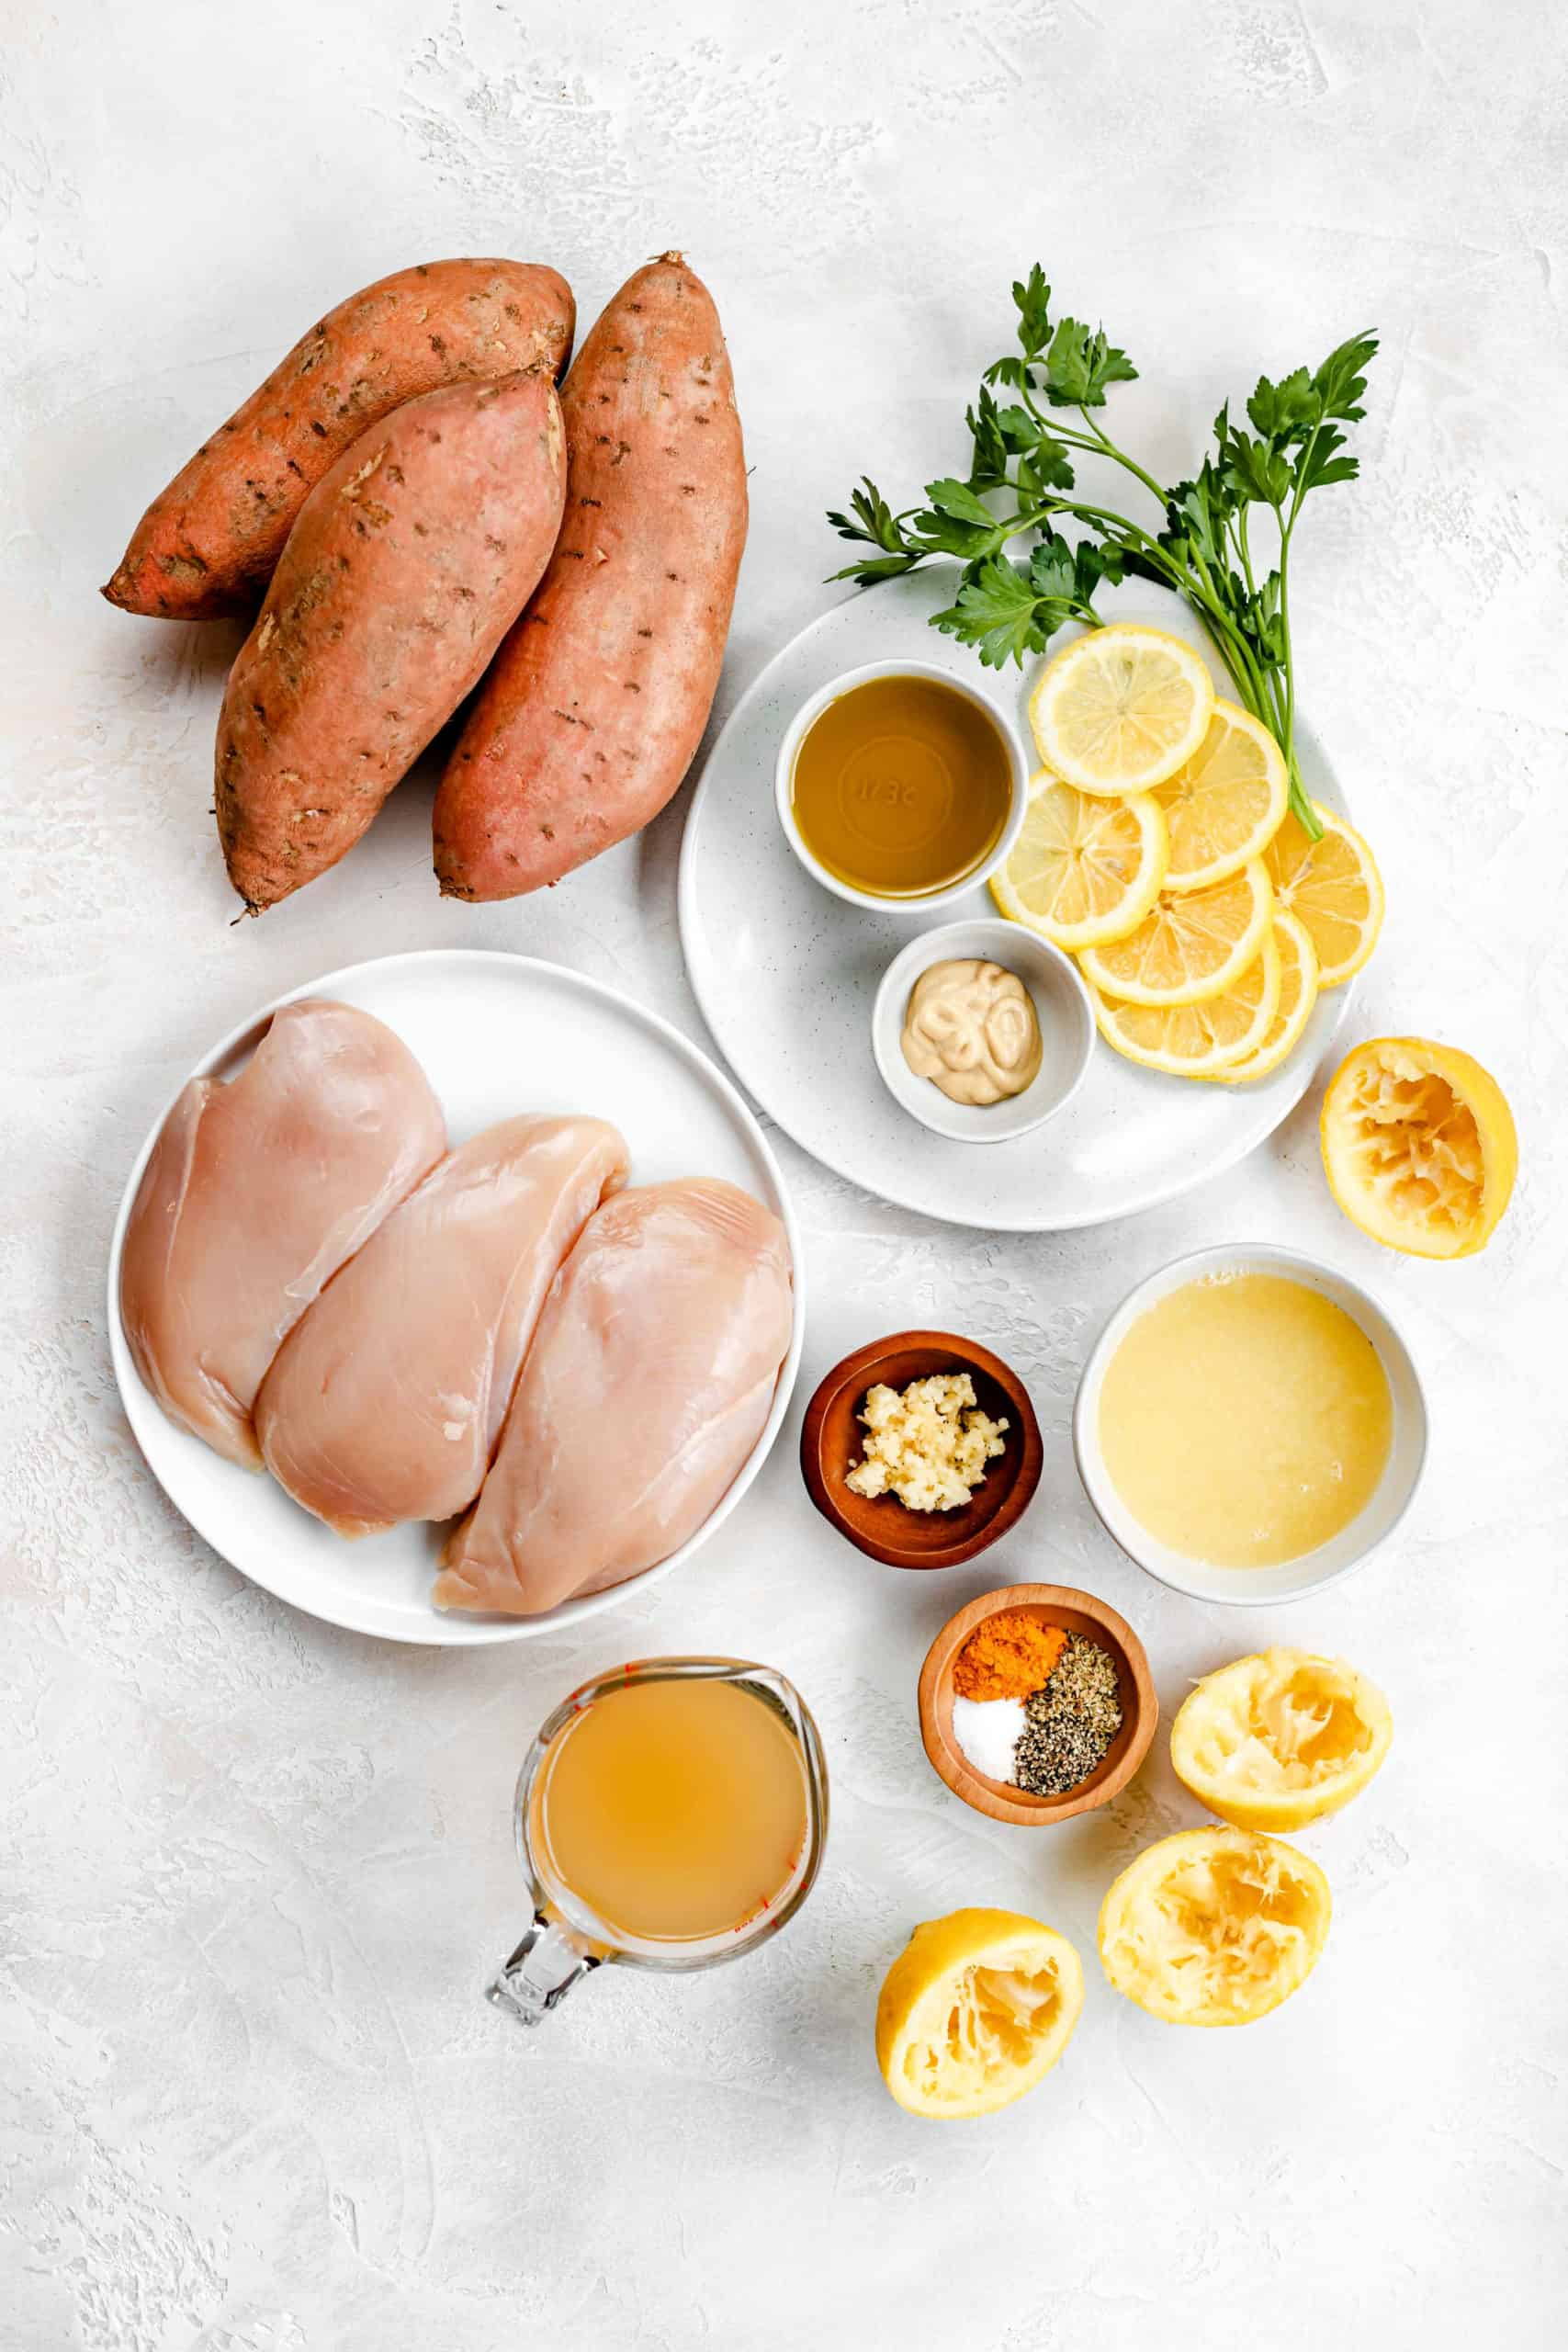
(1034,414)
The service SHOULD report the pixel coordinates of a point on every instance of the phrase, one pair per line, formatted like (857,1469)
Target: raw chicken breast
(648,1384)
(386,1400)
(255,1194)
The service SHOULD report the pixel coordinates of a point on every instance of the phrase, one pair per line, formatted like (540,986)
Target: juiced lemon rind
(1419,1146)
(1214,1927)
(975,2011)
(1277,1740)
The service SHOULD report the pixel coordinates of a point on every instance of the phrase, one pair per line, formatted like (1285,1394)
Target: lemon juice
(1244,1420)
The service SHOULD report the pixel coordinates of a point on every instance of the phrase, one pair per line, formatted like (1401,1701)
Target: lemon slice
(1275,1741)
(1198,1040)
(1419,1146)
(1214,1927)
(1225,806)
(1188,948)
(1121,708)
(1334,887)
(1084,870)
(976,2009)
(1298,994)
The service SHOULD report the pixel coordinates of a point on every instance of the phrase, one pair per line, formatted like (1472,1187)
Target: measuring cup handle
(541,1972)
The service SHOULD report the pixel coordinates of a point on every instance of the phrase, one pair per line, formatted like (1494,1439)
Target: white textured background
(254,1871)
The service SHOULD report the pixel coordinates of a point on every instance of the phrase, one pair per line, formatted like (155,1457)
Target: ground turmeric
(1008,1656)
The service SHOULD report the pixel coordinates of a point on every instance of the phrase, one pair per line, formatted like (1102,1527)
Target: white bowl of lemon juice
(1249,1425)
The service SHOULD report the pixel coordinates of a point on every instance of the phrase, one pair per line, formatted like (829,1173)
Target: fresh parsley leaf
(1052,572)
(990,468)
(872,567)
(1320,462)
(1009,371)
(1340,382)
(1018,428)
(1033,297)
(1006,610)
(1256,616)
(957,522)
(873,519)
(1079,366)
(1094,561)
(956,498)
(995,613)
(1255,472)
(1043,468)
(1196,510)
(1285,411)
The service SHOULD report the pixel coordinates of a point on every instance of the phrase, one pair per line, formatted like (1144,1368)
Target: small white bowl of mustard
(901,787)
(1055,994)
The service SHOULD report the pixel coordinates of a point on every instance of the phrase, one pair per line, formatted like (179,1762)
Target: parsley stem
(1111,451)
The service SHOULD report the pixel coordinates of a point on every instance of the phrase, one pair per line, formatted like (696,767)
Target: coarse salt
(987,1730)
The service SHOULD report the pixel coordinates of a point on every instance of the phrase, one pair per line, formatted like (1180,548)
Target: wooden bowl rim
(859,1367)
(991,1797)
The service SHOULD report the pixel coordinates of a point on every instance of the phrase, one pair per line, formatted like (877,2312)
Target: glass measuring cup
(566,1938)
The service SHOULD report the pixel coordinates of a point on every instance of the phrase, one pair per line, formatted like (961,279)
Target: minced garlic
(929,1446)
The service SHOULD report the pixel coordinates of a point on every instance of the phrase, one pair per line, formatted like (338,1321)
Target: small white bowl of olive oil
(1249,1425)
(1061,1009)
(900,787)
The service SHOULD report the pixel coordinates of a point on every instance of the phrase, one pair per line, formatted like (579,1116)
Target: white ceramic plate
(496,1035)
(785,973)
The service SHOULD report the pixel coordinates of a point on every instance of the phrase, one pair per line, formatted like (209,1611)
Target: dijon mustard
(972,1029)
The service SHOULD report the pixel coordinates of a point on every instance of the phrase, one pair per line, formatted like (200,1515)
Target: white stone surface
(254,1871)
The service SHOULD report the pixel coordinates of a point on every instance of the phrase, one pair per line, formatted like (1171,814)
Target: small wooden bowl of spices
(1037,1703)
(916,1414)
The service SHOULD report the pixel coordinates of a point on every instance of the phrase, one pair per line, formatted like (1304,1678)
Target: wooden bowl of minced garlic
(1037,1703)
(921,1448)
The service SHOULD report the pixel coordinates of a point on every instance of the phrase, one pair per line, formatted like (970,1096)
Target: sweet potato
(207,544)
(597,701)
(409,563)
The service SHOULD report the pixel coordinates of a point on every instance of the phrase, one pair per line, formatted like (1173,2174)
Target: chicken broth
(901,787)
(675,1810)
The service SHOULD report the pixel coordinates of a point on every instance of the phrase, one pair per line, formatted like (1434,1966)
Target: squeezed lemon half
(1275,1741)
(1083,870)
(1214,1927)
(1121,708)
(1419,1146)
(974,2010)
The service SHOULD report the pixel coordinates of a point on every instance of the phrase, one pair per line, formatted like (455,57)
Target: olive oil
(675,1810)
(902,786)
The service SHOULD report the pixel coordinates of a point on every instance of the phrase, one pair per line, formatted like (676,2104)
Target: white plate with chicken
(454,1294)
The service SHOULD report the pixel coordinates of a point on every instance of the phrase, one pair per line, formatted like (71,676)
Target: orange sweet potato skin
(207,544)
(409,563)
(597,700)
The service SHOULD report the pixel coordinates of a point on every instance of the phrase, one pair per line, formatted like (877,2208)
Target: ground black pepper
(1070,1721)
